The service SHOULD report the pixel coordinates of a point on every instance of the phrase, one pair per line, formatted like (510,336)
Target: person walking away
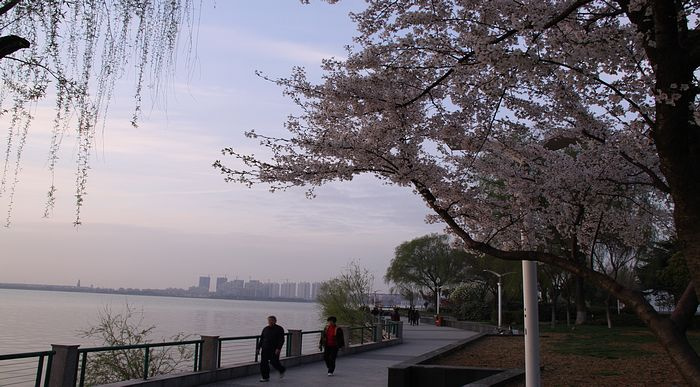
(269,347)
(416,315)
(395,316)
(332,339)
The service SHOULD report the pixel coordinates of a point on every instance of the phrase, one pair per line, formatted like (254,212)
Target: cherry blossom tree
(529,128)
(71,53)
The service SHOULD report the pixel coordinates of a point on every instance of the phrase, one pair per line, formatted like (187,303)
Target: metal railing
(310,341)
(145,360)
(390,329)
(26,369)
(242,349)
(366,334)
(98,365)
(233,350)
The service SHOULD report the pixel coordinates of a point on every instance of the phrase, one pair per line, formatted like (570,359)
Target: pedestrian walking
(416,315)
(332,339)
(269,347)
(376,313)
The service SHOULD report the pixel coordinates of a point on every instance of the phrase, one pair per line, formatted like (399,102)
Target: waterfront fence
(26,369)
(242,349)
(102,365)
(72,365)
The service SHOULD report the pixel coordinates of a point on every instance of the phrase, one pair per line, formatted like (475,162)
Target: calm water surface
(33,320)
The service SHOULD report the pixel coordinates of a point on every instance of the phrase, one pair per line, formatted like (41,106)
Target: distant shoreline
(176,293)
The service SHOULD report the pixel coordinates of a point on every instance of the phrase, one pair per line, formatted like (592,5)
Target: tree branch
(609,85)
(5,8)
(11,43)
(656,181)
(561,16)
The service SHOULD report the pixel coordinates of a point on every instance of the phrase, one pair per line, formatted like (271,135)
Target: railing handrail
(139,346)
(239,337)
(24,355)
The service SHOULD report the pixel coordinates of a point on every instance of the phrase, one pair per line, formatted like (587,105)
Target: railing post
(209,353)
(288,348)
(47,377)
(399,330)
(64,366)
(257,342)
(39,371)
(294,342)
(146,362)
(378,334)
(196,357)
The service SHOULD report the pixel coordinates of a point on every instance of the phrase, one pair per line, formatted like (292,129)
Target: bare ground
(649,366)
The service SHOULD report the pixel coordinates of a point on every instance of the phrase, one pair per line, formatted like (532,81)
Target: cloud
(245,44)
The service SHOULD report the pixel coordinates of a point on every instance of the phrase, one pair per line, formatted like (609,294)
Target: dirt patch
(651,367)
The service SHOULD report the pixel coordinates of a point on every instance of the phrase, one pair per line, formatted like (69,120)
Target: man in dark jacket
(269,346)
(332,340)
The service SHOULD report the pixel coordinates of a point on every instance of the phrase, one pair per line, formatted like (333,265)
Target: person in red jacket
(332,339)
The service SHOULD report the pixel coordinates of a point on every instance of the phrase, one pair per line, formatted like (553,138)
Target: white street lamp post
(499,292)
(532,329)
(437,301)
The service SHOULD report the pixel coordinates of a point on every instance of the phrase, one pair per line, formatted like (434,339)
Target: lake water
(33,320)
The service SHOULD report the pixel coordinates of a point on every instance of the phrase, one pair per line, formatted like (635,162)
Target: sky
(157,214)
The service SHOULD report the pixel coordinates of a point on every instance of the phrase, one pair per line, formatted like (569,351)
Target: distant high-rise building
(220,283)
(288,290)
(274,289)
(253,288)
(304,290)
(204,283)
(237,284)
(315,287)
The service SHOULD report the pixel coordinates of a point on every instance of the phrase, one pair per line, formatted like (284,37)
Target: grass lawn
(601,342)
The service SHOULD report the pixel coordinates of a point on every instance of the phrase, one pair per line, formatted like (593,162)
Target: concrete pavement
(365,369)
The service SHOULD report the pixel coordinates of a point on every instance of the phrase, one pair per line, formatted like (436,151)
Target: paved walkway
(364,369)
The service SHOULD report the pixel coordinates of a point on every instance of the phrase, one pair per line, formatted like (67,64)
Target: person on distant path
(416,316)
(270,344)
(332,339)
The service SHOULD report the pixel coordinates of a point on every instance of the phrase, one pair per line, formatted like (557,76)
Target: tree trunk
(682,315)
(580,295)
(607,312)
(676,134)
(553,294)
(677,346)
(568,314)
(580,300)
